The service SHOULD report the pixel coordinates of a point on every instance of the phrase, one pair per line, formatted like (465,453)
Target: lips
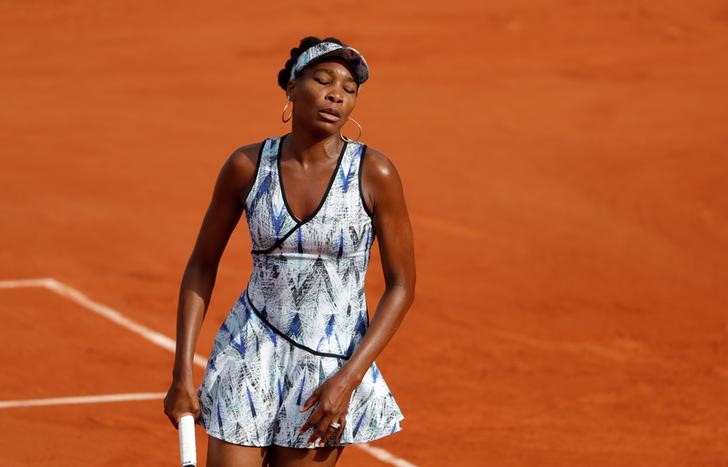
(331,111)
(330,115)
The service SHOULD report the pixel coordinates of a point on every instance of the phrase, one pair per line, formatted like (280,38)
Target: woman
(291,378)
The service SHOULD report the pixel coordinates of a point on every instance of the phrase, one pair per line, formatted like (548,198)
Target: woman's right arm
(226,206)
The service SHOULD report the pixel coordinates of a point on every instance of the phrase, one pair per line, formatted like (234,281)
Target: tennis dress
(301,316)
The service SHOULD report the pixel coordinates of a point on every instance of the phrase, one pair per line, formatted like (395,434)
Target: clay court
(565,169)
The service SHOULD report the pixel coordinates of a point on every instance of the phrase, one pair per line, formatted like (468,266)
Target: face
(328,84)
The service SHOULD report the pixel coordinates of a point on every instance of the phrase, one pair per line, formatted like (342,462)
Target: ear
(290,89)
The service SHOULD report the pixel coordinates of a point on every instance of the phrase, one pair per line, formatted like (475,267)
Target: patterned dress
(302,314)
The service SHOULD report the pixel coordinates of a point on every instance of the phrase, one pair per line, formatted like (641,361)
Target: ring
(335,425)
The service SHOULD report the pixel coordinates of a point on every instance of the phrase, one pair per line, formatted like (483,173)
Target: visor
(330,49)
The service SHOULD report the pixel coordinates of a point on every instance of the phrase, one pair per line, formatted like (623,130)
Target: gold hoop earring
(284,111)
(346,138)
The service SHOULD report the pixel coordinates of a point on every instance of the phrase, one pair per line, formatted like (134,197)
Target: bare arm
(198,281)
(396,246)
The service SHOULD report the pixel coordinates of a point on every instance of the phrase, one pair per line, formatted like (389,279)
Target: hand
(333,398)
(181,398)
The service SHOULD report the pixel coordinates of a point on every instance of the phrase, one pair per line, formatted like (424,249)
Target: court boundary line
(66,291)
(90,399)
(155,338)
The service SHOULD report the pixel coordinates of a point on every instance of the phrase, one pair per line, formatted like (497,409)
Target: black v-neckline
(326,192)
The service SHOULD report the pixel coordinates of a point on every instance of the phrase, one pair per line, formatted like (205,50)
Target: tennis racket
(187,448)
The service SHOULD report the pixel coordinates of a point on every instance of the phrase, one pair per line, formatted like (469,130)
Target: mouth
(330,115)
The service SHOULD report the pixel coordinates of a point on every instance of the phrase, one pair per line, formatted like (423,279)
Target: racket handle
(187,448)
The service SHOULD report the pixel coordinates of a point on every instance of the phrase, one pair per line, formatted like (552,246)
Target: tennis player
(292,378)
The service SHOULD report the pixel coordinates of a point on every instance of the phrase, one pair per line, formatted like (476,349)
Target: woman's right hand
(181,398)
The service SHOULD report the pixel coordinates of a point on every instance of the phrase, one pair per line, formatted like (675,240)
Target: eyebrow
(332,73)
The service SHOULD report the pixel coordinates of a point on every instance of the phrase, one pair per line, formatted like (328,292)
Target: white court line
(139,396)
(384,455)
(154,337)
(109,313)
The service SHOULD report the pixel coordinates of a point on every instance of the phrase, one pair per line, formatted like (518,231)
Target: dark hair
(305,43)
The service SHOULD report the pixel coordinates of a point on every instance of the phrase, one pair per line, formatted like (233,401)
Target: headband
(353,56)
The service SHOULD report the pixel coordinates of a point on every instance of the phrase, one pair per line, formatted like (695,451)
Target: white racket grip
(187,448)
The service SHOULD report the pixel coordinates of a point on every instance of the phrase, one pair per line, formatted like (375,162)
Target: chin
(320,127)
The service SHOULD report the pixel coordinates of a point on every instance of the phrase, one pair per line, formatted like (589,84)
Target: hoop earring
(284,111)
(346,138)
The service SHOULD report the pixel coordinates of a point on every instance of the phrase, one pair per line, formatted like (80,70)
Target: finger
(341,429)
(332,432)
(197,411)
(310,422)
(312,419)
(309,402)
(173,421)
(316,431)
(321,428)
(329,431)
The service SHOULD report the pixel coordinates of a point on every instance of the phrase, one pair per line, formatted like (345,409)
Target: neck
(307,147)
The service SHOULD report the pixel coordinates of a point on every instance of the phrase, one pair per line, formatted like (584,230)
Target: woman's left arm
(396,246)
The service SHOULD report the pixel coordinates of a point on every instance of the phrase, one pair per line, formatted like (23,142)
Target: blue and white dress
(302,314)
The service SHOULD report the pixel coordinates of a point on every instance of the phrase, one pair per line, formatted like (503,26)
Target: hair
(305,43)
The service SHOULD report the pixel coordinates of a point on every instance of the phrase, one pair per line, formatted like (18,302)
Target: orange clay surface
(565,166)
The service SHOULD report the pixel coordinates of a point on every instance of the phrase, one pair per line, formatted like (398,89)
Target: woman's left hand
(333,398)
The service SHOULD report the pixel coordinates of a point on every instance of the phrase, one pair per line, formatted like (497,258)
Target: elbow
(409,285)
(411,292)
(406,287)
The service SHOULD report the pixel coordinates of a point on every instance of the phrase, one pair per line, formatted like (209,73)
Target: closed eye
(353,91)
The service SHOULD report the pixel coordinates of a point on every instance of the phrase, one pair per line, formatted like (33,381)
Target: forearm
(391,310)
(194,297)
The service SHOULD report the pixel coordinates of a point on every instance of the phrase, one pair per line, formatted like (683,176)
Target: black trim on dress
(283,238)
(277,243)
(286,337)
(255,175)
(326,192)
(361,193)
(298,222)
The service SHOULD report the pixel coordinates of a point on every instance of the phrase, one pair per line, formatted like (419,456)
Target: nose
(334,96)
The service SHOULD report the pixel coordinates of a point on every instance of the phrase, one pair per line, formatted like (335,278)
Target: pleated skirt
(256,382)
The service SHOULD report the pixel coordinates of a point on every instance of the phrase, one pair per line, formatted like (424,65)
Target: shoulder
(380,181)
(377,168)
(245,159)
(240,167)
